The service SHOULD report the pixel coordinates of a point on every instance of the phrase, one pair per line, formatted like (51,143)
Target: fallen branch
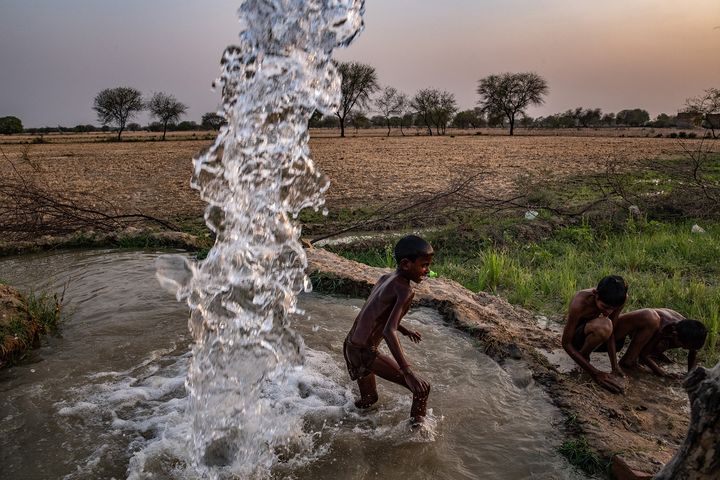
(29,210)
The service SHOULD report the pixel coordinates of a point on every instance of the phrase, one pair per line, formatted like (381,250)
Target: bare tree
(706,105)
(510,94)
(391,102)
(423,103)
(435,107)
(359,82)
(166,108)
(446,108)
(118,105)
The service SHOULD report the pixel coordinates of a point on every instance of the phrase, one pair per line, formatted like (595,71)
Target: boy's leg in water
(597,332)
(387,368)
(368,391)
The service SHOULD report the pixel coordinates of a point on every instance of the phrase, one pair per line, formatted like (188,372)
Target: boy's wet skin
(379,319)
(590,327)
(654,330)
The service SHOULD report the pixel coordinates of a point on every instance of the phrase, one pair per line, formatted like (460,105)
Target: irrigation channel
(107,399)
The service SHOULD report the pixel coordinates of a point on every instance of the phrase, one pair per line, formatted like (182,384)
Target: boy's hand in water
(606,381)
(417,385)
(414,336)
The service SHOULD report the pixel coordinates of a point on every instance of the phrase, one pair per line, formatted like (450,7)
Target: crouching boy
(591,318)
(653,331)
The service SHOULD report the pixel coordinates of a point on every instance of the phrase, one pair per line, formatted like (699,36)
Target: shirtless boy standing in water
(590,326)
(380,319)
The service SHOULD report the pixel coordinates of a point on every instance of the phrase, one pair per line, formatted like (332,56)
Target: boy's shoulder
(584,293)
(395,283)
(581,296)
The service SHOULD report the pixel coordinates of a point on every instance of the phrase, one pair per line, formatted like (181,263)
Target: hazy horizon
(650,54)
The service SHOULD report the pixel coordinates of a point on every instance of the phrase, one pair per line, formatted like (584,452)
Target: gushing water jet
(255,177)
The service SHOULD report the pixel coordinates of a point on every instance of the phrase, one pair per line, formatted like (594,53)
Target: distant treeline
(184,126)
(577,118)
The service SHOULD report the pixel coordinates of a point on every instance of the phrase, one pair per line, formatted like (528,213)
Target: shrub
(10,125)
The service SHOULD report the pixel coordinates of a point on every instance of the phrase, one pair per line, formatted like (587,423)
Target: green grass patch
(22,332)
(664,264)
(46,310)
(582,457)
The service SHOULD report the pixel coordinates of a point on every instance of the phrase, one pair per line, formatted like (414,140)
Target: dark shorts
(358,359)
(579,340)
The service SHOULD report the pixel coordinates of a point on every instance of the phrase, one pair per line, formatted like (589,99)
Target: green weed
(581,456)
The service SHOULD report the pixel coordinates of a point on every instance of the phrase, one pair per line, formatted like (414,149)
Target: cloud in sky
(651,54)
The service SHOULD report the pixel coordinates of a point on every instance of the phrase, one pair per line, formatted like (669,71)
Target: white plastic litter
(697,229)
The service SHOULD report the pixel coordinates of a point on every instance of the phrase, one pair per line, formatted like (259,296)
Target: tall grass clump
(579,454)
(22,332)
(493,266)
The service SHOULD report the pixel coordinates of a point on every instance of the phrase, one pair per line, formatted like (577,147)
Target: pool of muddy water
(107,398)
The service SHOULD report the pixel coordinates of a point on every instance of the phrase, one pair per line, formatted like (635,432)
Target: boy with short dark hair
(590,323)
(379,319)
(654,330)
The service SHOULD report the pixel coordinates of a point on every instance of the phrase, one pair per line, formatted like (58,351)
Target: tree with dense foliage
(166,108)
(390,103)
(358,120)
(632,118)
(664,120)
(118,105)
(587,117)
(707,105)
(214,121)
(608,120)
(468,119)
(510,94)
(10,125)
(359,82)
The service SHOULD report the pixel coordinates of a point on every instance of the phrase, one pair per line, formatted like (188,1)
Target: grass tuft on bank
(26,319)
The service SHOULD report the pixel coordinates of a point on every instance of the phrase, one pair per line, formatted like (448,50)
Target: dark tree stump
(699,456)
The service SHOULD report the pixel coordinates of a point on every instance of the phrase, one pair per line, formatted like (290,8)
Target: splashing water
(254,177)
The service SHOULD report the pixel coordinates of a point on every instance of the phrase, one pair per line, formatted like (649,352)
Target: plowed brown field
(153,177)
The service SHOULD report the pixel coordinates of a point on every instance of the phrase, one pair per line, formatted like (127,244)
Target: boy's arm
(611,347)
(392,326)
(416,385)
(414,335)
(654,366)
